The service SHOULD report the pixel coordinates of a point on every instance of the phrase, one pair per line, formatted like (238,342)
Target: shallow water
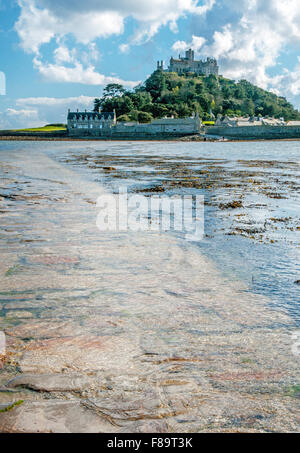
(267,261)
(152,331)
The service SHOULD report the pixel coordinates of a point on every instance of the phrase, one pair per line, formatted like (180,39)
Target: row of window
(85,126)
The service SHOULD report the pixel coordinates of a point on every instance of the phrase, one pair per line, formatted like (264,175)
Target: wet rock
(153,426)
(51,382)
(54,416)
(275,195)
(19,197)
(252,230)
(151,189)
(231,205)
(19,314)
(149,406)
(44,329)
(52,259)
(297,282)
(81,353)
(2,361)
(247,376)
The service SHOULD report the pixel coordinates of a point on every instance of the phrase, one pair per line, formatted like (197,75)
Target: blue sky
(57,54)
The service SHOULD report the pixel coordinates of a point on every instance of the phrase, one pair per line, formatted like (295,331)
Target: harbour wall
(254,132)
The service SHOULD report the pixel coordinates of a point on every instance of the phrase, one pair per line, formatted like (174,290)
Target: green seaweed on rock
(12,406)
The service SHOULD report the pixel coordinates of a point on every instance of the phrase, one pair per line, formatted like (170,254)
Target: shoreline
(175,140)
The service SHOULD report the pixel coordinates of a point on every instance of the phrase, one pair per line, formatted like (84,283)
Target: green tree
(144,117)
(123,118)
(97,104)
(248,107)
(112,90)
(156,84)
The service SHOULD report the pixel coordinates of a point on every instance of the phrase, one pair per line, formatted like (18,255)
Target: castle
(188,63)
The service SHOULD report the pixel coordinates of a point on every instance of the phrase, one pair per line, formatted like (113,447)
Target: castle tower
(190,55)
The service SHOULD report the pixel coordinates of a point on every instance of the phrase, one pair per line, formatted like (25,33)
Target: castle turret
(190,55)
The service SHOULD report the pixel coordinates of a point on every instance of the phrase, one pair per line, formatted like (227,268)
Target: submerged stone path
(126,332)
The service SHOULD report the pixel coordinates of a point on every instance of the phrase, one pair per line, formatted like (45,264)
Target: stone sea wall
(255,132)
(51,134)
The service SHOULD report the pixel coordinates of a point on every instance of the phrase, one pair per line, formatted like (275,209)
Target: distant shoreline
(176,140)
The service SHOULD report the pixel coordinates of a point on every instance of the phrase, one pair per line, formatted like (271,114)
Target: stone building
(188,63)
(90,123)
(227,121)
(168,127)
(103,124)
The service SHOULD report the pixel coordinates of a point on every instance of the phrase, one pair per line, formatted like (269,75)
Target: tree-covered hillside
(167,93)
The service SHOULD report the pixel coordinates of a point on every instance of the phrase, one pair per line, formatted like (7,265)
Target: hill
(168,93)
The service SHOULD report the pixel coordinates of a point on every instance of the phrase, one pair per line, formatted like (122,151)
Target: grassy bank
(48,128)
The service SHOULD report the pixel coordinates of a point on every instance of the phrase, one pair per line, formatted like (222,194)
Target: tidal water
(147,332)
(268,260)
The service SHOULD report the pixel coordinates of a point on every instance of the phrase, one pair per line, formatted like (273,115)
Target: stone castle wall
(199,67)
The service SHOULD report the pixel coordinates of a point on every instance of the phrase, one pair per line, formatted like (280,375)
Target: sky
(59,54)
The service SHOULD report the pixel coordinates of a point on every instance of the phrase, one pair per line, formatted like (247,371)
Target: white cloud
(81,101)
(43,21)
(91,19)
(63,55)
(124,48)
(35,112)
(2,84)
(196,44)
(37,25)
(77,73)
(14,118)
(21,113)
(289,82)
